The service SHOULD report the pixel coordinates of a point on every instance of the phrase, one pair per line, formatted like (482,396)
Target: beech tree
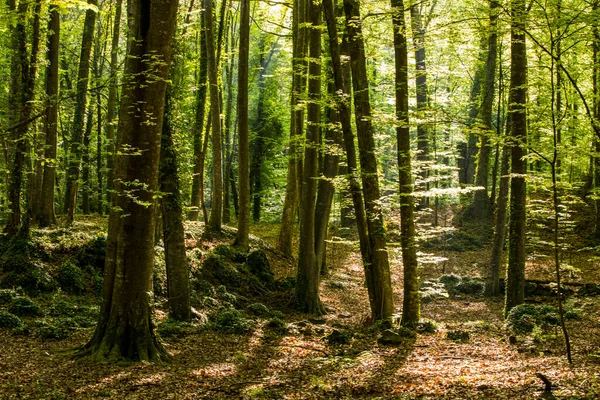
(125,327)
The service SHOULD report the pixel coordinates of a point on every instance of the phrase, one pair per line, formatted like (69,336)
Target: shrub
(277,324)
(232,321)
(33,279)
(426,326)
(72,279)
(92,254)
(6,295)
(258,309)
(8,320)
(450,280)
(24,307)
(55,329)
(171,328)
(470,286)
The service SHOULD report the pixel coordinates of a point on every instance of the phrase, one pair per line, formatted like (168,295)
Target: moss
(258,309)
(259,266)
(175,329)
(229,253)
(55,328)
(6,295)
(34,280)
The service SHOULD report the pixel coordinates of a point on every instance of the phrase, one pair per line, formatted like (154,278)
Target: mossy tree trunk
(308,276)
(383,304)
(515,274)
(77,129)
(290,205)
(411,304)
(125,328)
(241,239)
(216,211)
(47,215)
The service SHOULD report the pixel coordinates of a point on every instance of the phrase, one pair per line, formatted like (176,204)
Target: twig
(302,347)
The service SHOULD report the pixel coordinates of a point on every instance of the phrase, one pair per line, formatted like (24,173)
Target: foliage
(23,306)
(258,309)
(259,266)
(175,329)
(8,320)
(72,279)
(232,321)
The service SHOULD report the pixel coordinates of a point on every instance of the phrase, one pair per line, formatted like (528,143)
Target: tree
(382,304)
(216,212)
(47,215)
(241,239)
(411,306)
(515,274)
(307,286)
(77,128)
(125,328)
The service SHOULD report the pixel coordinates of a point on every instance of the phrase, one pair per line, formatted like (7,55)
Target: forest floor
(299,362)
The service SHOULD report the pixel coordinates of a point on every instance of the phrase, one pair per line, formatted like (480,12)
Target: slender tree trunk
(411,303)
(342,89)
(228,145)
(241,239)
(125,327)
(481,208)
(77,129)
(47,216)
(379,264)
(492,287)
(111,104)
(199,152)
(308,277)
(85,158)
(515,274)
(216,212)
(423,134)
(595,160)
(178,280)
(290,204)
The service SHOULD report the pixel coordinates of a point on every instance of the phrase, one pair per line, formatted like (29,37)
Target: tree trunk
(515,274)
(423,134)
(216,212)
(411,303)
(199,153)
(492,287)
(241,239)
(111,104)
(125,328)
(296,128)
(379,264)
(308,277)
(342,89)
(228,144)
(77,132)
(47,216)
(178,280)
(481,208)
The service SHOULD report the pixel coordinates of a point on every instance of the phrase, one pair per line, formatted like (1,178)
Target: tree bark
(77,129)
(411,303)
(515,274)
(242,236)
(125,328)
(379,264)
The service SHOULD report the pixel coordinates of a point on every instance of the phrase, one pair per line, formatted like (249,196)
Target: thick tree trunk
(77,129)
(515,274)
(111,103)
(308,277)
(379,264)
(411,303)
(47,216)
(290,204)
(241,239)
(216,211)
(125,328)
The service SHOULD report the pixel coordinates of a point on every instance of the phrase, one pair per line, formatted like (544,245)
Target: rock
(317,321)
(390,337)
(339,336)
(458,336)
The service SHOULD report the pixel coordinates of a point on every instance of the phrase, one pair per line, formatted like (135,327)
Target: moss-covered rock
(8,320)
(232,321)
(259,266)
(23,306)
